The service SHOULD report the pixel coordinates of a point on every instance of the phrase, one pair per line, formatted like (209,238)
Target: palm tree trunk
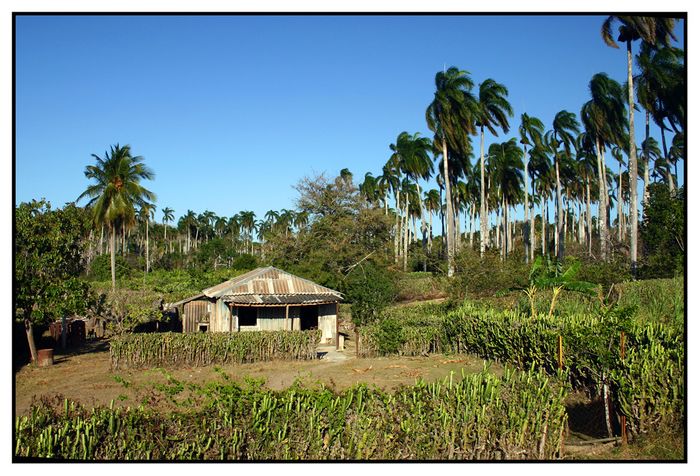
(589,218)
(113,252)
(526,221)
(423,229)
(602,204)
(405,237)
(560,213)
(507,229)
(397,234)
(532,224)
(458,230)
(632,164)
(645,196)
(545,218)
(430,230)
(147,255)
(449,213)
(619,202)
(482,208)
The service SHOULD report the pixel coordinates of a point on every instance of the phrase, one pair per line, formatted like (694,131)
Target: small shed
(266,299)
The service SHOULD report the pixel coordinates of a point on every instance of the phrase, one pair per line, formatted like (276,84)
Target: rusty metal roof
(272,284)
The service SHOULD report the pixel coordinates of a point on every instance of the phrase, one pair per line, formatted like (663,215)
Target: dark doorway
(247,316)
(309,317)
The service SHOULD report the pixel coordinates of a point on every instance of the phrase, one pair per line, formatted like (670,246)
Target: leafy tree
(370,289)
(117,191)
(663,232)
(49,249)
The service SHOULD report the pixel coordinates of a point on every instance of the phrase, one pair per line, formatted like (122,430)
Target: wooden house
(265,299)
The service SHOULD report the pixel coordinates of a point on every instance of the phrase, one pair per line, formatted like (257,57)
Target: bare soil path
(87,377)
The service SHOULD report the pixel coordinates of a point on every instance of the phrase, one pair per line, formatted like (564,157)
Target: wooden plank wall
(326,322)
(195,312)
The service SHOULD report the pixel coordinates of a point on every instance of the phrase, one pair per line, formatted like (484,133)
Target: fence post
(623,418)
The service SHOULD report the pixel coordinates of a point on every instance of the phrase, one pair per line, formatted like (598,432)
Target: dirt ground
(86,376)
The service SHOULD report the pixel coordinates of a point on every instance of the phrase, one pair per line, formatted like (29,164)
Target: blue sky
(231,111)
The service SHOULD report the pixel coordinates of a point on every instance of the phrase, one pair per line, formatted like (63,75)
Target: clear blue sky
(230,112)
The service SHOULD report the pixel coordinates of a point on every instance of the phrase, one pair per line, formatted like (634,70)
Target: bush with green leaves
(370,288)
(663,233)
(100,268)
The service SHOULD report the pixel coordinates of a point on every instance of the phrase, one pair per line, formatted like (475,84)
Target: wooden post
(337,328)
(623,418)
(286,318)
(561,353)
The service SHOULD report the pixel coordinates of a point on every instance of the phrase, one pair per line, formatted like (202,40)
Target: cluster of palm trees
(565,164)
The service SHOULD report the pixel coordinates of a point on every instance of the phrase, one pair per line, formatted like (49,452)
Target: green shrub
(370,289)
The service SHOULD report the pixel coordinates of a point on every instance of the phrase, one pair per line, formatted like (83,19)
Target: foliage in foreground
(518,416)
(201,349)
(648,384)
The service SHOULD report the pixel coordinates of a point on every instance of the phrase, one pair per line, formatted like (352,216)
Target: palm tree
(661,91)
(604,120)
(116,192)
(617,153)
(493,112)
(651,154)
(653,31)
(188,222)
(538,168)
(168,216)
(564,128)
(346,175)
(146,213)
(413,153)
(369,189)
(247,222)
(531,131)
(585,151)
(507,162)
(431,202)
(451,117)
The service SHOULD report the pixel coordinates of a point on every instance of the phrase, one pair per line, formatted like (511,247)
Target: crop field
(430,381)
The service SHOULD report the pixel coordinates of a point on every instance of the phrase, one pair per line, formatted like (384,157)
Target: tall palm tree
(451,117)
(538,168)
(617,153)
(531,131)
(248,224)
(189,221)
(564,129)
(660,88)
(432,204)
(585,153)
(413,153)
(168,216)
(507,161)
(369,189)
(147,213)
(117,191)
(493,112)
(653,31)
(603,117)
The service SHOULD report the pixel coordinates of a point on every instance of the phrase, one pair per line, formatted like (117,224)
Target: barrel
(45,357)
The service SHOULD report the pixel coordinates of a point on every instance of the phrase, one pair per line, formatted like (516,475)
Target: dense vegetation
(506,275)
(518,416)
(200,349)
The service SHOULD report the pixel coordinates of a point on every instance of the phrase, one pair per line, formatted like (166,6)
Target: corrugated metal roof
(271,281)
(272,299)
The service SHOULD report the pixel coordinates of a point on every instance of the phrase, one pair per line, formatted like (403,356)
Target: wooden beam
(337,328)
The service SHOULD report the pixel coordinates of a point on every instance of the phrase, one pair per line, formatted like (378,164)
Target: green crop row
(648,382)
(520,415)
(201,349)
